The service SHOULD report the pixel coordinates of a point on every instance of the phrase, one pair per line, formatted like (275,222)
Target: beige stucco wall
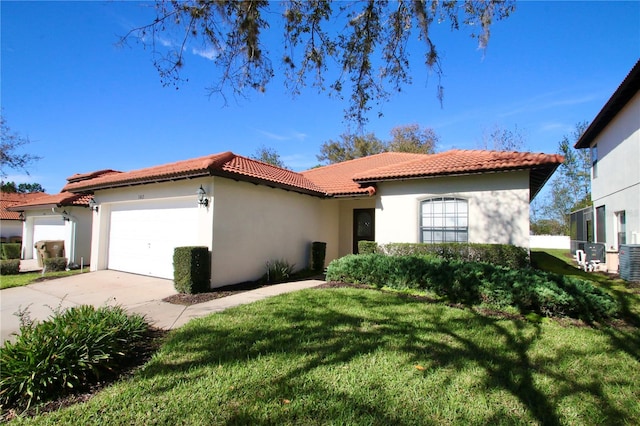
(253,224)
(498,207)
(617,185)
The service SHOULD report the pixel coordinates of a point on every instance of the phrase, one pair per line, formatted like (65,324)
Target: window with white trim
(444,220)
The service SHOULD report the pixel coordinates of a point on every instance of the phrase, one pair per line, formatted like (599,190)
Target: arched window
(444,220)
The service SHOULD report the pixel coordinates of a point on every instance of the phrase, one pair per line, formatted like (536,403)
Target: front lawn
(26,278)
(360,356)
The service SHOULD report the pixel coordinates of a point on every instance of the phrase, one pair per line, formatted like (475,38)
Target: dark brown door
(363,226)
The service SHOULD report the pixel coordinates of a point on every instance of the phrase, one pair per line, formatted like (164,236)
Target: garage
(143,235)
(48,228)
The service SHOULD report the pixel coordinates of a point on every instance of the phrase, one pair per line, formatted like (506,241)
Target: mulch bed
(220,292)
(217,293)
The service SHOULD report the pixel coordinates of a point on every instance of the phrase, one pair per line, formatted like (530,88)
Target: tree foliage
(411,138)
(547,227)
(360,46)
(349,147)
(10,145)
(499,138)
(269,156)
(571,185)
(406,138)
(22,188)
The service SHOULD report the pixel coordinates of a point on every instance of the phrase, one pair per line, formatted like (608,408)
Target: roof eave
(23,208)
(625,92)
(199,174)
(136,182)
(538,178)
(437,175)
(259,181)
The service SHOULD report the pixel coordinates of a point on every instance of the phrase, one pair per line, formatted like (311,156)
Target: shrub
(318,254)
(367,247)
(65,352)
(278,270)
(11,251)
(54,264)
(474,283)
(497,254)
(10,267)
(191,267)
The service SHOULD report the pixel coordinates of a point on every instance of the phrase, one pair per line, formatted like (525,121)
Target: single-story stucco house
(248,212)
(58,217)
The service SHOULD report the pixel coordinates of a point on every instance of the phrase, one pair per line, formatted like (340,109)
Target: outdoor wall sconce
(202,197)
(21,216)
(93,205)
(65,216)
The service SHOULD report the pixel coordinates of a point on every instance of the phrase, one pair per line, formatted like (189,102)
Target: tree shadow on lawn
(318,333)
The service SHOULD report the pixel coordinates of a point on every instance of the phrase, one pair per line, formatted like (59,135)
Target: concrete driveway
(136,293)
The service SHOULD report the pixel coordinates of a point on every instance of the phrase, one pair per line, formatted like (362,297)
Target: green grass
(26,278)
(365,357)
(626,294)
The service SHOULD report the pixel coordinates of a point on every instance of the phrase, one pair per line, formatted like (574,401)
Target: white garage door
(142,236)
(48,228)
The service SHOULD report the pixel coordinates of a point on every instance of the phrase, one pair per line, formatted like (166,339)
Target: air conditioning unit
(629,255)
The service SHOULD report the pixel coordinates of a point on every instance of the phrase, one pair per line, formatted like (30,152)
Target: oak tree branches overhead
(357,48)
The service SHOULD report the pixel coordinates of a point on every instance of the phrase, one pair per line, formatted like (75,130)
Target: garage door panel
(48,228)
(143,236)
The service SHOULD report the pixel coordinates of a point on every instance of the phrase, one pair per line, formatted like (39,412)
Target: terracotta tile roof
(91,175)
(457,162)
(355,177)
(180,169)
(62,199)
(226,164)
(10,199)
(268,173)
(337,179)
(350,178)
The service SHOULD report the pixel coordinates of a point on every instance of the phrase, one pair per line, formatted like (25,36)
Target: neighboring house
(614,140)
(11,222)
(249,212)
(61,217)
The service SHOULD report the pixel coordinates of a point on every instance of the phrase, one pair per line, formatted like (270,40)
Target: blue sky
(87,104)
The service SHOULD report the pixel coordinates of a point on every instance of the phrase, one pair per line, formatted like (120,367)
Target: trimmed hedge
(191,269)
(10,267)
(54,264)
(318,254)
(497,254)
(366,247)
(11,251)
(475,283)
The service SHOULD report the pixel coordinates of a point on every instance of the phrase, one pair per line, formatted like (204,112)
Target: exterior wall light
(93,205)
(22,217)
(202,197)
(65,216)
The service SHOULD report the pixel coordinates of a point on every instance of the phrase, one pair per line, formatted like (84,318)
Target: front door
(363,226)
